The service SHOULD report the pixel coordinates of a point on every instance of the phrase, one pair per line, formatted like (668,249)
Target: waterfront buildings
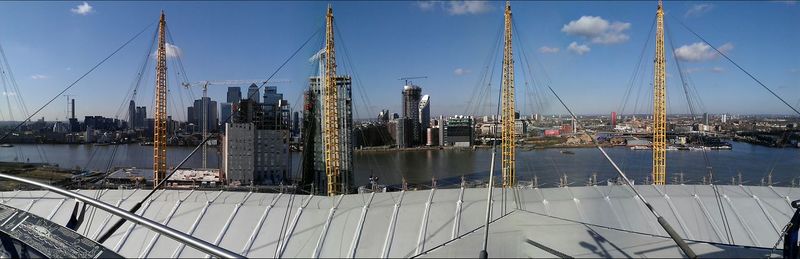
(424,116)
(259,134)
(458,131)
(237,152)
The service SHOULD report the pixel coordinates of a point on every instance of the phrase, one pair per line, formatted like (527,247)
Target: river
(419,167)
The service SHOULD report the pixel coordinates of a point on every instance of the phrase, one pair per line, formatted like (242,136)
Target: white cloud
(456,7)
(467,7)
(82,9)
(698,9)
(598,30)
(546,49)
(461,71)
(700,51)
(574,47)
(693,70)
(787,2)
(703,69)
(38,76)
(9,93)
(427,5)
(173,51)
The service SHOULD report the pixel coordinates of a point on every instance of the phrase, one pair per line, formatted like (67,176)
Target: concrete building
(432,137)
(237,153)
(458,131)
(269,151)
(520,127)
(271,156)
(405,137)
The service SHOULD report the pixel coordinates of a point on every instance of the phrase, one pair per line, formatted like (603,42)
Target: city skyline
(571,41)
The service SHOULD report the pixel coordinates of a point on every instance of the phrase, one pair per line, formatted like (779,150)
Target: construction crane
(507,140)
(408,79)
(204,85)
(659,103)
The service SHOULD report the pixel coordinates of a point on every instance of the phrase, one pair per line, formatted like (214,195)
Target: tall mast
(509,155)
(160,132)
(659,104)
(330,118)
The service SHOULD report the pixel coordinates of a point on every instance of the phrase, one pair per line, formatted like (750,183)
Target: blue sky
(587,50)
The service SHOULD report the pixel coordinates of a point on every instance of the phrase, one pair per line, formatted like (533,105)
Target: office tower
(234,94)
(190,115)
(225,110)
(705,118)
(131,115)
(211,111)
(458,131)
(296,124)
(141,117)
(253,93)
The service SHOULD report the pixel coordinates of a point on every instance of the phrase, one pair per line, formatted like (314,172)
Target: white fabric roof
(405,224)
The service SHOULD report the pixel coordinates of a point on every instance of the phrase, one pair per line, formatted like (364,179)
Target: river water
(419,167)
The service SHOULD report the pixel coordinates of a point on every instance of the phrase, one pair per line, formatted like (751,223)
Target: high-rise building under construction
(313,165)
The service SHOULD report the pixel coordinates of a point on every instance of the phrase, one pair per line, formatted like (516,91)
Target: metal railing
(152,225)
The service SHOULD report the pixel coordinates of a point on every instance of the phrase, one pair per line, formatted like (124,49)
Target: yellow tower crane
(659,103)
(160,132)
(330,118)
(509,154)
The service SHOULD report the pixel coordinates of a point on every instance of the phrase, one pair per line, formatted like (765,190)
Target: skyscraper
(225,110)
(411,98)
(313,153)
(271,95)
(141,117)
(132,115)
(424,117)
(234,94)
(211,111)
(253,93)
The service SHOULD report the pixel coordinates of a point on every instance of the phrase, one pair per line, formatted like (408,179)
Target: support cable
(661,221)
(76,81)
(138,204)
(740,67)
(717,198)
